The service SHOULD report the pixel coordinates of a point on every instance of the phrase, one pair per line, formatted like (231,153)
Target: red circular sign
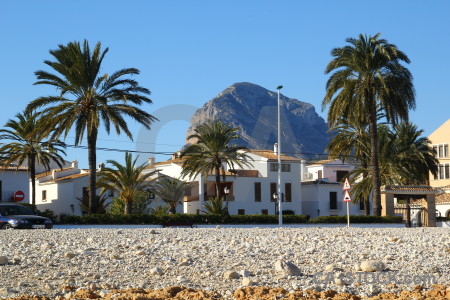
(19,196)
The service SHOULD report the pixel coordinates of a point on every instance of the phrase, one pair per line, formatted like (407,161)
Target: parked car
(14,216)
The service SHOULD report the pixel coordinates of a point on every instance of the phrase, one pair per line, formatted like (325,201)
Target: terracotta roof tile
(69,177)
(417,189)
(43,174)
(270,155)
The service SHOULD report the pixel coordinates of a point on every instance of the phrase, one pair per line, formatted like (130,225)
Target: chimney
(275,148)
(302,169)
(151,161)
(75,164)
(54,174)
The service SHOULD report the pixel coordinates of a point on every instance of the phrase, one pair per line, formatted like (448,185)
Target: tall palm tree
(368,76)
(171,191)
(26,136)
(88,99)
(212,151)
(127,181)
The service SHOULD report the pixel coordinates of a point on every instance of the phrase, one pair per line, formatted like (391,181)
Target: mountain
(254,109)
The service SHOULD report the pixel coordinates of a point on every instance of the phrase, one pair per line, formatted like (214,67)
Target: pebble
(106,259)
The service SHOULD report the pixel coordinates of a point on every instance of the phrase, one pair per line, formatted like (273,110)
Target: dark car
(13,216)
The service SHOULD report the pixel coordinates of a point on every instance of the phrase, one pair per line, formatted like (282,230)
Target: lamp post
(280,213)
(226,190)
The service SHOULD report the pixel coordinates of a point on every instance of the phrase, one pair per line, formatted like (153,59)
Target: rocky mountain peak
(254,109)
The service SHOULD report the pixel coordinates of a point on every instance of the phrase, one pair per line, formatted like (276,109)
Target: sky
(190,51)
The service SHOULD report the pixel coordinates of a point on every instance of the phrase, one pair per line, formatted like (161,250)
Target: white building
(250,189)
(322,189)
(59,189)
(16,178)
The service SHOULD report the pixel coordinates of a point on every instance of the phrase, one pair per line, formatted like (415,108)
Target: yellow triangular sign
(346,184)
(347,196)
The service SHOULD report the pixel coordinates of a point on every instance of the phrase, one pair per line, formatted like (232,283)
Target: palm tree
(212,151)
(351,142)
(368,76)
(127,181)
(88,99)
(171,191)
(26,136)
(405,158)
(99,206)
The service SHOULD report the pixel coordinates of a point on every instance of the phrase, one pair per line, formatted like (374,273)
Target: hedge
(443,219)
(219,219)
(357,219)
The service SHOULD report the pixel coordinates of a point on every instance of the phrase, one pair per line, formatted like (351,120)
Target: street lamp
(280,214)
(226,190)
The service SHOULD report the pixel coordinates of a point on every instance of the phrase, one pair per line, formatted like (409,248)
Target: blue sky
(189,51)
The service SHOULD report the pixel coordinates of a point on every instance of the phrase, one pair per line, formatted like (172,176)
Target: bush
(180,218)
(443,219)
(357,219)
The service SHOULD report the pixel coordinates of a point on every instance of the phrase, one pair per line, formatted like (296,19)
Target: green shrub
(443,219)
(357,219)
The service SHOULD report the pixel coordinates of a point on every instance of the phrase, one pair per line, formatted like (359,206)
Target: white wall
(12,181)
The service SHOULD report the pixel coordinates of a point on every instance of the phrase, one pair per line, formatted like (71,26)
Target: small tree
(127,181)
(171,191)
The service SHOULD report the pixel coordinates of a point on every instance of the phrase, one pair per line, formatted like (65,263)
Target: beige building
(440,140)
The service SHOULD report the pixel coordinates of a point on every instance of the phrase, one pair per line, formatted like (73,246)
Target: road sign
(346,185)
(19,196)
(347,196)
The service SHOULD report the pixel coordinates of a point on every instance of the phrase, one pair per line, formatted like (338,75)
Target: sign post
(347,199)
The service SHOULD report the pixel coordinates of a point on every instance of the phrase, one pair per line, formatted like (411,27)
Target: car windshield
(11,210)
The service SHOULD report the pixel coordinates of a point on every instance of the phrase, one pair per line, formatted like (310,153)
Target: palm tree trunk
(218,189)
(92,159)
(128,207)
(375,168)
(366,206)
(32,164)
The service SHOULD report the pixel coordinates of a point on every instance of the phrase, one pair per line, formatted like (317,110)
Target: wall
(13,181)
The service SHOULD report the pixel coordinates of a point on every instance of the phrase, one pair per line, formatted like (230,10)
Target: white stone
(246,281)
(155,271)
(231,275)
(287,267)
(372,266)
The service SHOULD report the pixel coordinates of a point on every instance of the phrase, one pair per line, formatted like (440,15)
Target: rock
(231,275)
(140,252)
(357,267)
(250,107)
(182,279)
(247,281)
(332,268)
(286,267)
(152,231)
(114,256)
(245,273)
(156,271)
(389,257)
(372,266)
(3,260)
(218,227)
(339,281)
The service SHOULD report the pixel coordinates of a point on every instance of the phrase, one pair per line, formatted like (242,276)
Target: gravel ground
(361,261)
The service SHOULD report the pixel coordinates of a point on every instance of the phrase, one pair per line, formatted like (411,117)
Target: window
(441,150)
(333,200)
(361,204)
(319,174)
(257,191)
(340,175)
(264,211)
(273,190)
(443,172)
(287,192)
(1,191)
(44,195)
(110,193)
(241,212)
(284,167)
(86,192)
